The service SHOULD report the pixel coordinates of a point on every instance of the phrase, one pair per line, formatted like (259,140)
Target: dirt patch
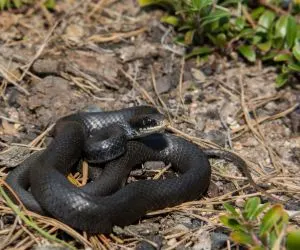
(117,56)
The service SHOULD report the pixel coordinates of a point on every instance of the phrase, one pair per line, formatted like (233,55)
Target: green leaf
(213,39)
(50,4)
(240,23)
(260,209)
(281,79)
(173,20)
(214,26)
(199,51)
(294,67)
(185,27)
(296,51)
(242,238)
(144,3)
(251,206)
(221,40)
(229,2)
(283,57)
(230,209)
(265,47)
(3,4)
(256,13)
(189,36)
(248,52)
(17,3)
(272,216)
(247,33)
(293,240)
(272,238)
(256,39)
(224,220)
(179,39)
(285,69)
(198,5)
(214,16)
(269,56)
(265,21)
(231,222)
(291,31)
(278,43)
(281,27)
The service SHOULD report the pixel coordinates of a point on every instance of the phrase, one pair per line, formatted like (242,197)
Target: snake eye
(144,123)
(148,122)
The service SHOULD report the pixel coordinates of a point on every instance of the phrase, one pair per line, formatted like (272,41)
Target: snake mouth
(148,124)
(143,131)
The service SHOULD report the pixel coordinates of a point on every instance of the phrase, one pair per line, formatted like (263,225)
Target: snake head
(142,125)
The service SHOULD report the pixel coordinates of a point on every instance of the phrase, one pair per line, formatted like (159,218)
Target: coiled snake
(122,139)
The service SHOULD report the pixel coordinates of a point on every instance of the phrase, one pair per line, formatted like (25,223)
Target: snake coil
(101,204)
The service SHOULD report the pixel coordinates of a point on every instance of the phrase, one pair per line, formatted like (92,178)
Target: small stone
(188,99)
(212,114)
(218,240)
(251,142)
(163,84)
(17,126)
(240,202)
(145,245)
(238,146)
(179,228)
(138,51)
(203,241)
(271,106)
(295,119)
(144,229)
(193,109)
(198,75)
(153,165)
(233,124)
(201,97)
(207,70)
(172,242)
(74,32)
(296,154)
(216,136)
(93,108)
(200,123)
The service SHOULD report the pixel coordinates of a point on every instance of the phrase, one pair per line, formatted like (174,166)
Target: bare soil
(111,55)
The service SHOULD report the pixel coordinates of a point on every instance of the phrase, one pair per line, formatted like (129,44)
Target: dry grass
(28,229)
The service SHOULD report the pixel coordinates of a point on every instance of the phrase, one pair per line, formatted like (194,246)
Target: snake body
(89,122)
(94,213)
(41,184)
(98,206)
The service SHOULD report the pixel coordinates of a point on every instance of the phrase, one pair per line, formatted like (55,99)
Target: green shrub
(231,25)
(261,226)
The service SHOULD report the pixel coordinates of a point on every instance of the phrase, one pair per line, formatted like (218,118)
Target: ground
(112,55)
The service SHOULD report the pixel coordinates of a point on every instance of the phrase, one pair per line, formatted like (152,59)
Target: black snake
(101,204)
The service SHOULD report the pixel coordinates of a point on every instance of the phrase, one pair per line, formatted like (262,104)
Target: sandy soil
(112,56)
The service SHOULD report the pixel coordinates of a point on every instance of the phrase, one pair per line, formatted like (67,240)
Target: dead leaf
(9,129)
(198,75)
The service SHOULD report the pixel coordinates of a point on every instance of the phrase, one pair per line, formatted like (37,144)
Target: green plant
(261,226)
(231,25)
(7,4)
